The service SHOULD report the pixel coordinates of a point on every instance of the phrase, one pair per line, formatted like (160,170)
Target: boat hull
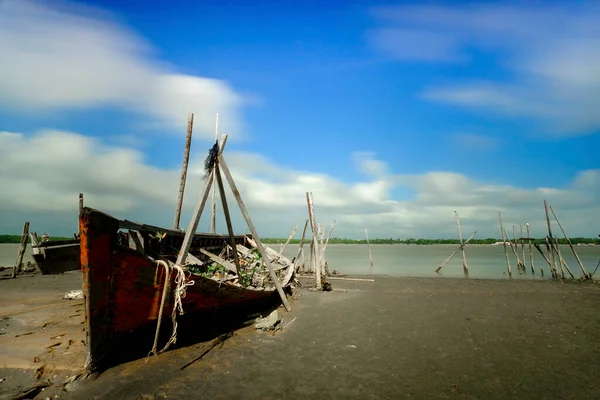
(57,259)
(123,289)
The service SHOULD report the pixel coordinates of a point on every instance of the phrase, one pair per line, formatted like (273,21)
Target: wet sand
(424,338)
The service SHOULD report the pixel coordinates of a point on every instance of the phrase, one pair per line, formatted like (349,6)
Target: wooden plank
(244,211)
(288,241)
(193,225)
(295,263)
(219,260)
(136,236)
(21,252)
(184,168)
(35,242)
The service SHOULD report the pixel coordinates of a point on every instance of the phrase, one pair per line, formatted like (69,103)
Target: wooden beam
(456,251)
(193,225)
(315,238)
(503,233)
(585,274)
(227,217)
(219,260)
(261,248)
(462,248)
(184,168)
(21,252)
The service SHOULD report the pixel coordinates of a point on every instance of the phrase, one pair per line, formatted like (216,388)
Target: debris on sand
(269,322)
(74,295)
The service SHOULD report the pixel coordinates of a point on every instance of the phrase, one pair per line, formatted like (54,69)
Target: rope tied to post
(179,293)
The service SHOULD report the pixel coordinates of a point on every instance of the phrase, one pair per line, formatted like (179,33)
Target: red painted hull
(123,289)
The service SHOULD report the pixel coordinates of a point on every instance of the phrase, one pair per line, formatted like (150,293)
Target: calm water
(484,261)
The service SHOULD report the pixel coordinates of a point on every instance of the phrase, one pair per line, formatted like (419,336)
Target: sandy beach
(423,338)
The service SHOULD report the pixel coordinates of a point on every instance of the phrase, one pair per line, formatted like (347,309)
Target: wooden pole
(213,214)
(515,247)
(260,245)
(549,232)
(186,157)
(563,263)
(287,241)
(523,249)
(462,247)
(300,252)
(236,259)
(530,252)
(456,251)
(80,202)
(370,255)
(550,250)
(585,274)
(503,233)
(315,237)
(21,252)
(193,225)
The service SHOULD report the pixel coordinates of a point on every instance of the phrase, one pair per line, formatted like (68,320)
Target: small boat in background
(55,256)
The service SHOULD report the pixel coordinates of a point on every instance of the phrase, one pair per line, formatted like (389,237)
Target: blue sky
(394,114)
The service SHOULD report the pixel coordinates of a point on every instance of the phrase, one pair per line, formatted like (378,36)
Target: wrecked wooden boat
(131,284)
(55,256)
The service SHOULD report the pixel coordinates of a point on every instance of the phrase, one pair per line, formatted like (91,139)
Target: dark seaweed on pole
(211,159)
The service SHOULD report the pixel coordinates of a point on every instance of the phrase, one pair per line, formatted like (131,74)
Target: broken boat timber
(124,284)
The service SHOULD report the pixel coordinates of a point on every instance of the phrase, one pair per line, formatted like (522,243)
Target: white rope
(179,293)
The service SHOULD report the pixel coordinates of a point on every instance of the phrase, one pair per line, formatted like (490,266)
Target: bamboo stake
(585,274)
(21,252)
(504,243)
(315,242)
(456,251)
(515,248)
(227,217)
(550,251)
(193,225)
(462,247)
(563,263)
(538,248)
(300,251)
(282,248)
(184,168)
(523,249)
(261,248)
(213,215)
(530,252)
(549,231)
(370,255)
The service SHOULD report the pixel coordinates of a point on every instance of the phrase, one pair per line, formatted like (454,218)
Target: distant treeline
(427,241)
(17,238)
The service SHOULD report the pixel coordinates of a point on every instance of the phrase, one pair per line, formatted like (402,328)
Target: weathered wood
(272,255)
(342,279)
(522,249)
(136,236)
(35,242)
(530,252)
(193,225)
(261,248)
(300,252)
(455,252)
(549,232)
(550,250)
(315,242)
(192,259)
(503,233)
(328,237)
(585,274)
(184,168)
(515,248)
(227,216)
(370,255)
(220,260)
(213,213)
(563,263)
(288,241)
(21,252)
(462,247)
(80,202)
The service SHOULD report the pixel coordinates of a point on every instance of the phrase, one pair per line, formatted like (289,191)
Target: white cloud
(43,186)
(549,57)
(74,57)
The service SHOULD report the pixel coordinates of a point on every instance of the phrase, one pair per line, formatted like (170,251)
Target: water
(484,261)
